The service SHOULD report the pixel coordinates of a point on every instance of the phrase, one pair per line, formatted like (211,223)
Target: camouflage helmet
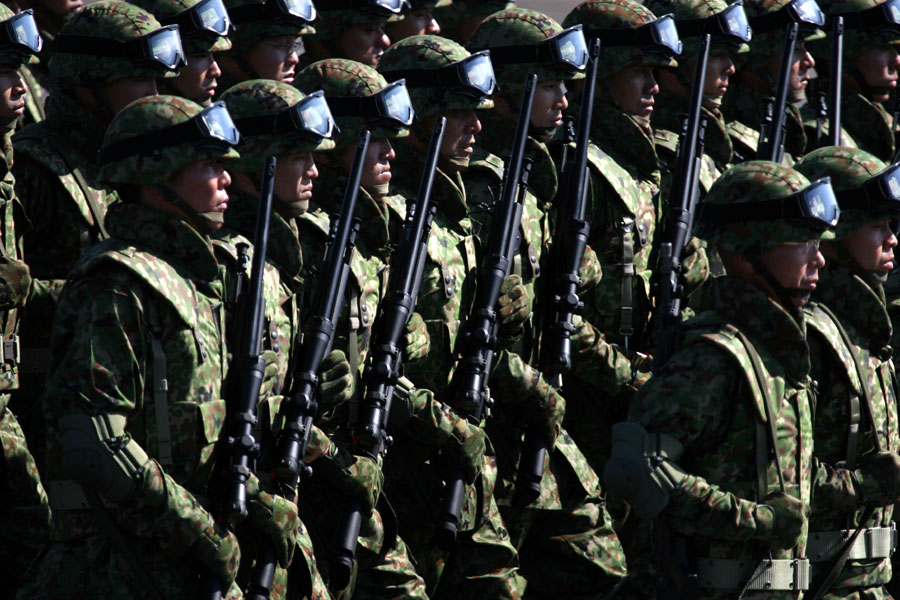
(344,78)
(851,170)
(768,40)
(127,158)
(512,29)
(423,53)
(617,14)
(267,98)
(12,52)
(257,20)
(334,17)
(694,11)
(189,15)
(72,63)
(733,217)
(451,15)
(858,37)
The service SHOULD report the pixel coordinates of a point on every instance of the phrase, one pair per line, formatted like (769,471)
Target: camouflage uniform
(565,540)
(142,307)
(739,381)
(25,520)
(856,405)
(483,562)
(55,171)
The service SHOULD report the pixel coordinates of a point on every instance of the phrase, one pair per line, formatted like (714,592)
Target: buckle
(9,351)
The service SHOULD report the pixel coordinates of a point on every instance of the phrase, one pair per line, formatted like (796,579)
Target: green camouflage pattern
(848,168)
(103,363)
(856,40)
(863,315)
(617,14)
(870,125)
(744,113)
(519,27)
(340,77)
(147,114)
(332,20)
(430,52)
(194,42)
(756,181)
(263,97)
(765,44)
(112,20)
(250,33)
(817,91)
(687,10)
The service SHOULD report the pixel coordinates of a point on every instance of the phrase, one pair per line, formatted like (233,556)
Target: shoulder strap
(160,387)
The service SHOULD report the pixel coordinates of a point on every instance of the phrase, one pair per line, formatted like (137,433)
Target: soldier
(140,358)
(523,41)
(55,168)
(460,18)
(758,72)
(445,80)
(856,420)
(353,29)
(726,423)
(204,27)
(418,21)
(25,520)
(869,76)
(266,44)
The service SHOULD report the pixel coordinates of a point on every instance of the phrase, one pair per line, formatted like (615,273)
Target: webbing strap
(160,388)
(769,575)
(353,350)
(626,302)
(871,542)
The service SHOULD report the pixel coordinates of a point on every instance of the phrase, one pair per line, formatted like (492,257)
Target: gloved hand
(416,342)
(590,270)
(217,549)
(465,447)
(275,517)
(879,479)
(15,283)
(780,519)
(514,307)
(336,380)
(358,477)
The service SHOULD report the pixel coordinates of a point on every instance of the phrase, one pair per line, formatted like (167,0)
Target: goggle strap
(778,19)
(872,17)
(614,37)
(351,106)
(92,46)
(514,55)
(366,6)
(421,78)
(249,13)
(764,210)
(146,143)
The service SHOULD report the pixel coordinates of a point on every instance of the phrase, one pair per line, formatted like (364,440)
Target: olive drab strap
(626,314)
(160,386)
(862,381)
(353,349)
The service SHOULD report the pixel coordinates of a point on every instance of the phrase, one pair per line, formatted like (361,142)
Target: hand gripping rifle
(478,334)
(771,138)
(299,408)
(560,287)
(380,377)
(674,575)
(248,369)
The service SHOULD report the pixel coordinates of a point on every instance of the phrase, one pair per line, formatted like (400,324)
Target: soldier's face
(294,175)
(274,58)
(377,168)
(12,94)
(879,69)
(202,185)
(718,71)
(872,246)
(123,92)
(633,90)
(363,43)
(198,80)
(549,104)
(794,266)
(801,64)
(459,134)
(417,22)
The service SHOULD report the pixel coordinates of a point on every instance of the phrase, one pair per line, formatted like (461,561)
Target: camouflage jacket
(10,247)
(744,114)
(60,221)
(869,125)
(842,403)
(817,92)
(708,397)
(153,291)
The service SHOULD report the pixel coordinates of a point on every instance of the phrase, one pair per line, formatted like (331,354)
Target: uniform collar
(449,192)
(869,124)
(748,105)
(628,142)
(855,302)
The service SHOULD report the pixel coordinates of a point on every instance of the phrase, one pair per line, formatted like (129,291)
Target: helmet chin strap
(204,222)
(785,295)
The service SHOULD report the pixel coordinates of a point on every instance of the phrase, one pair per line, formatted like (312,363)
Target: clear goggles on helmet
(885,15)
(880,193)
(815,206)
(161,47)
(20,33)
(659,37)
(386,8)
(389,107)
(207,17)
(731,24)
(472,76)
(297,12)
(805,12)
(567,49)
(310,117)
(212,129)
